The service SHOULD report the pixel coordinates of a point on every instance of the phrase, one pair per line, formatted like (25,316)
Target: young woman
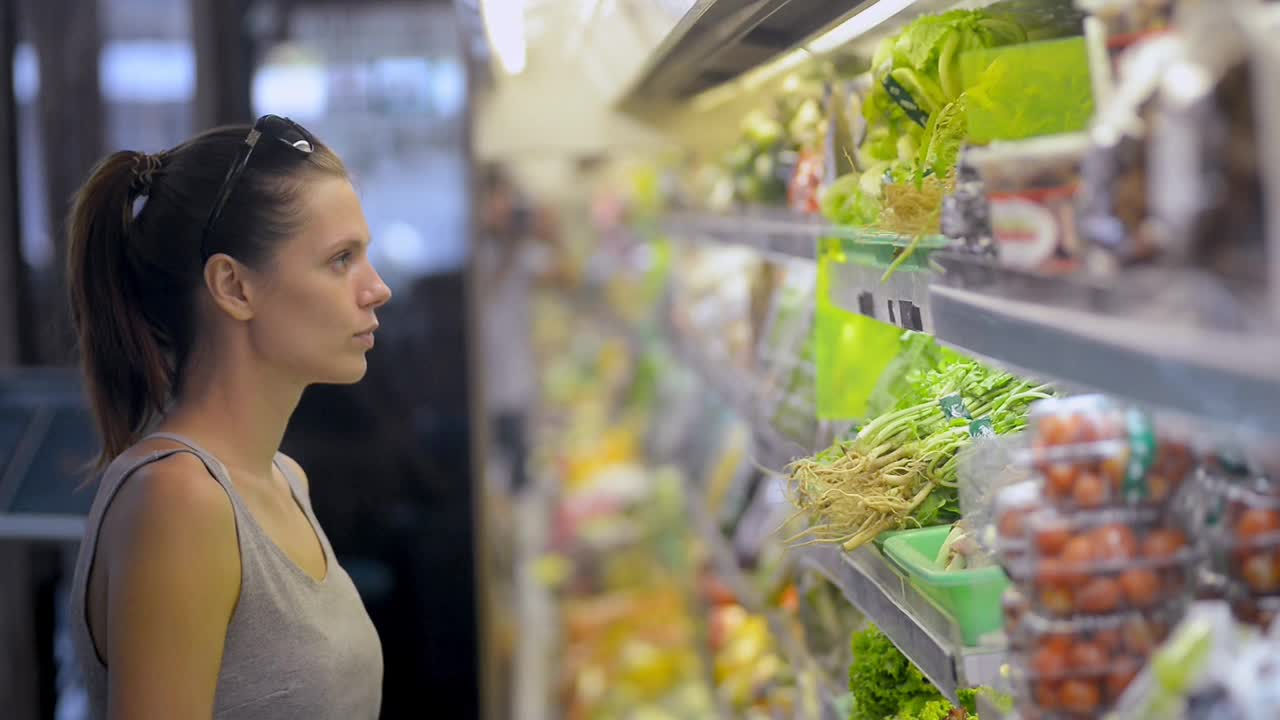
(210,285)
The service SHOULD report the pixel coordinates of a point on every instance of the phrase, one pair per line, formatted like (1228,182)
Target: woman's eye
(342,261)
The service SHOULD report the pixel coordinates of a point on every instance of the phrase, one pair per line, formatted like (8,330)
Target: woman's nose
(377,294)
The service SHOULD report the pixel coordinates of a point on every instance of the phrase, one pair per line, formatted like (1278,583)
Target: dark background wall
(390,458)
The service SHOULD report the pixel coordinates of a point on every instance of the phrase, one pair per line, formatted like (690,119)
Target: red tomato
(1256,523)
(1081,696)
(1090,491)
(1116,541)
(1099,595)
(1088,657)
(1141,587)
(1163,544)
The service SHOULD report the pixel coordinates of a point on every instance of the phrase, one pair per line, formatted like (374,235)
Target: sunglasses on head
(274,129)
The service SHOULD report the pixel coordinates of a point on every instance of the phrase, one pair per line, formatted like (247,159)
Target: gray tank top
(296,648)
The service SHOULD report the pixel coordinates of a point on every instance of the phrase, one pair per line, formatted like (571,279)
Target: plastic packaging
(1108,561)
(1013,506)
(1129,22)
(1031,187)
(1094,452)
(1031,89)
(1080,668)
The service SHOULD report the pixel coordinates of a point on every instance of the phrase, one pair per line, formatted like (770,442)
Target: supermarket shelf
(778,233)
(1220,376)
(915,625)
(719,41)
(772,449)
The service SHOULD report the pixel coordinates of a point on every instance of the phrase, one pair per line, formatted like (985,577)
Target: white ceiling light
(504,25)
(859,24)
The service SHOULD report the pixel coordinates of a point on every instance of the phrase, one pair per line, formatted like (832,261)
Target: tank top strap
(211,463)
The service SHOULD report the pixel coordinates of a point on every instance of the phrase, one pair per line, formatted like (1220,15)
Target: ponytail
(128,370)
(136,277)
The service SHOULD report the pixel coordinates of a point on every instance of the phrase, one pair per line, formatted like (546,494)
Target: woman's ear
(229,286)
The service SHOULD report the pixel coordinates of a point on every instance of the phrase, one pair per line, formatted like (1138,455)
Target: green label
(982,428)
(1142,453)
(953,407)
(903,98)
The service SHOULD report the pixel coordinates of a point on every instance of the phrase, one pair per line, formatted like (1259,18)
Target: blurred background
(669,417)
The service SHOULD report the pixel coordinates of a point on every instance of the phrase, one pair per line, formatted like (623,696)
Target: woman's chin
(349,374)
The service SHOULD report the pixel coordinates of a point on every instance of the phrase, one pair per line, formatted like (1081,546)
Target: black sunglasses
(272,127)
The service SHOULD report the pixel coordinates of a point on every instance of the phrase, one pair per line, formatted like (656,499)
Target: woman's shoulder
(292,467)
(172,502)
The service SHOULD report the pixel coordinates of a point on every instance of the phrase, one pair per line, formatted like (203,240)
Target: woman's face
(316,313)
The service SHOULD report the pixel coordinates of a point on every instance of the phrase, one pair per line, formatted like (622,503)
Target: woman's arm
(173,581)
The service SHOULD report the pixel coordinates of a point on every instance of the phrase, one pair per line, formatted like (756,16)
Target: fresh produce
(1093,452)
(1096,563)
(1080,668)
(960,551)
(882,680)
(901,468)
(915,114)
(885,685)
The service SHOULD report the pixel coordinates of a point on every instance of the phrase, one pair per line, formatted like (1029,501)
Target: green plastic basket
(971,597)
(1027,90)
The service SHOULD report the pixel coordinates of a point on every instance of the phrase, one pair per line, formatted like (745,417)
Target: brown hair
(135,276)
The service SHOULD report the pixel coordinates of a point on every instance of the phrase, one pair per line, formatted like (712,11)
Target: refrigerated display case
(988,290)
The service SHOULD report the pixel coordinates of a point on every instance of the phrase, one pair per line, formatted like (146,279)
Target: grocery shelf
(1229,377)
(779,233)
(718,41)
(735,389)
(916,626)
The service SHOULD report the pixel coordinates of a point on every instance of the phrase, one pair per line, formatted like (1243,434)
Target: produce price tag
(982,428)
(953,407)
(904,100)
(1142,453)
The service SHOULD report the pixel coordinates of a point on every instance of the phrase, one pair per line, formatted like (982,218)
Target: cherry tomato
(1054,430)
(1099,595)
(1159,486)
(1163,543)
(1139,636)
(1256,523)
(1049,661)
(1116,541)
(1051,541)
(1079,552)
(1013,523)
(1081,696)
(1088,657)
(1081,429)
(1108,639)
(1118,680)
(1060,480)
(1090,491)
(1056,599)
(1141,587)
(1046,694)
(1260,572)
(1114,467)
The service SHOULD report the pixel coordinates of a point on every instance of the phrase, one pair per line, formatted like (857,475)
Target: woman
(210,285)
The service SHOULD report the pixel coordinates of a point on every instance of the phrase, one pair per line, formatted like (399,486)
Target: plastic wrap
(1031,187)
(1093,451)
(1080,668)
(1103,562)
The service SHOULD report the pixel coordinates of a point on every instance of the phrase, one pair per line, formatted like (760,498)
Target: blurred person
(513,247)
(210,285)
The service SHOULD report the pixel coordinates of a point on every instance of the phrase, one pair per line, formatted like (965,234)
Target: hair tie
(144,170)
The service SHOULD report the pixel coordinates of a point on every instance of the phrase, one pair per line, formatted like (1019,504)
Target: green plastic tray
(971,597)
